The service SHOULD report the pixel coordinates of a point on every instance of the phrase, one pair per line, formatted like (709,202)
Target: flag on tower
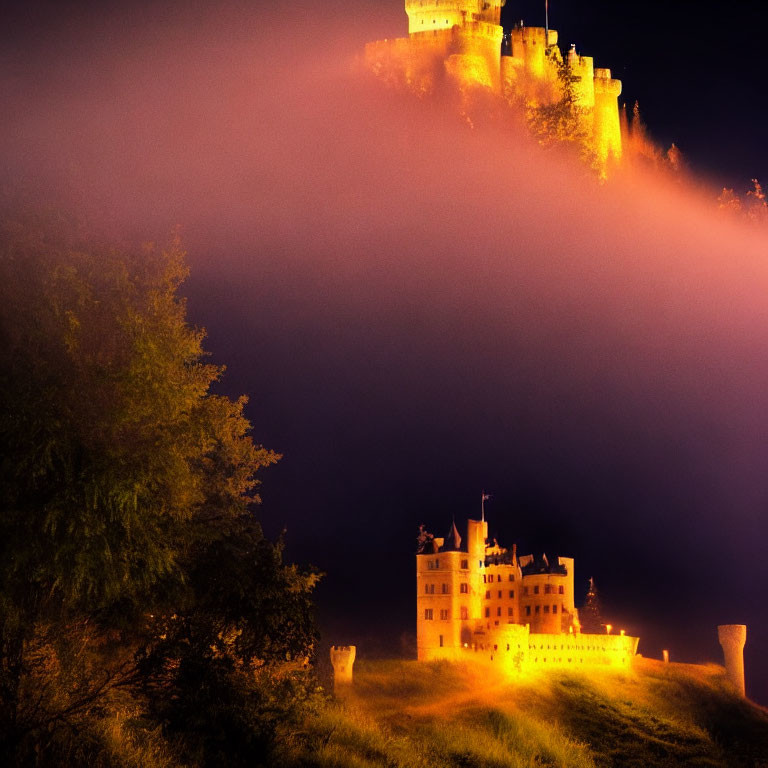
(483,498)
(456,536)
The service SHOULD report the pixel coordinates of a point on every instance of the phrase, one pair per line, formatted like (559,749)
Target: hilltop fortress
(463,40)
(482,601)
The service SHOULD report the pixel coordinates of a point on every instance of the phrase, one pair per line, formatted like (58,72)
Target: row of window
(537,611)
(429,614)
(444,615)
(434,565)
(488,579)
(429,589)
(549,589)
(500,593)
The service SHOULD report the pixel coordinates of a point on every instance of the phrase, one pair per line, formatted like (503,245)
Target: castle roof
(541,564)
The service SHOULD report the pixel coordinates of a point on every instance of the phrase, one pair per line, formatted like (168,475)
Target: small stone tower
(733,637)
(343,659)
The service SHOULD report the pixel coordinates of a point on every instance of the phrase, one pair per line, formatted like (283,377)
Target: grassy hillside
(415,715)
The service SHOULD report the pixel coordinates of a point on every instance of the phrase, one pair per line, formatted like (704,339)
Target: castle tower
(607,126)
(733,637)
(468,32)
(583,74)
(342,659)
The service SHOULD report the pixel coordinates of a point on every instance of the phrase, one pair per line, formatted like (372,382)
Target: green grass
(402,714)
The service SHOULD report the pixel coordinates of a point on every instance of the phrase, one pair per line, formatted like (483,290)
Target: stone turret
(733,637)
(343,659)
(607,126)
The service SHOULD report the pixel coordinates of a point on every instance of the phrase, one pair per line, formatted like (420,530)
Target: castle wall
(518,651)
(475,58)
(426,15)
(543,601)
(469,54)
(579,651)
(445,588)
(416,63)
(583,72)
(501,599)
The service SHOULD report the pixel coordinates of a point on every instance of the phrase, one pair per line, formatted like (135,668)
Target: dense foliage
(563,121)
(139,598)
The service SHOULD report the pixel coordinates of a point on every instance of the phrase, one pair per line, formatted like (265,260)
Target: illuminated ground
(414,714)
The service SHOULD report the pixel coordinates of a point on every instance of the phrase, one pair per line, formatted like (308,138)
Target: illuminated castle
(482,601)
(463,40)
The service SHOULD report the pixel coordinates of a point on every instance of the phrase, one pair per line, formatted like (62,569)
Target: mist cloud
(414,302)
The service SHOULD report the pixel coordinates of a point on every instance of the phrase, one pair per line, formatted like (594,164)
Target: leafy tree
(563,121)
(129,557)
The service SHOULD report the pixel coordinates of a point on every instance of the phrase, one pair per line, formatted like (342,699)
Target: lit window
(428,614)
(487,613)
(536,590)
(512,593)
(464,589)
(464,612)
(443,614)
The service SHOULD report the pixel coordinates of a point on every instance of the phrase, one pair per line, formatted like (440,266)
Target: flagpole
(482,507)
(546,24)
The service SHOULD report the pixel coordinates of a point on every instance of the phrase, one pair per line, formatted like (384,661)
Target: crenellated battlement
(463,40)
(343,660)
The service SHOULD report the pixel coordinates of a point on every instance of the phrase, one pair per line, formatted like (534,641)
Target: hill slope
(416,715)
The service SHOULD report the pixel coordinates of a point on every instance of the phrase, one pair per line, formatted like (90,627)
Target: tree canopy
(129,552)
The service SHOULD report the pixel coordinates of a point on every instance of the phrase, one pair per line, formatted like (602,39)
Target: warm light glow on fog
(413,292)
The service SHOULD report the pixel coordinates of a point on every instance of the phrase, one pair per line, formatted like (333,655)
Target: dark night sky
(614,408)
